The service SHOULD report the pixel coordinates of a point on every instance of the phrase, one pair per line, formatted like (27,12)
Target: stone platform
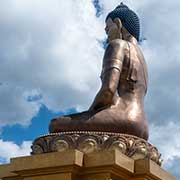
(88,142)
(76,165)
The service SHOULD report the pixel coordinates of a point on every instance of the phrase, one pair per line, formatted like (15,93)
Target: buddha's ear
(118,23)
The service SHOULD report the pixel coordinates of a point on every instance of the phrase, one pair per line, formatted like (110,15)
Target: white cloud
(14,107)
(166,138)
(53,49)
(50,48)
(174,167)
(9,149)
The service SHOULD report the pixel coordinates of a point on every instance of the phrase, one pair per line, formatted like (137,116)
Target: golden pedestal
(74,165)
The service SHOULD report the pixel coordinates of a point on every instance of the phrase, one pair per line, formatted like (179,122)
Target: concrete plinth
(74,165)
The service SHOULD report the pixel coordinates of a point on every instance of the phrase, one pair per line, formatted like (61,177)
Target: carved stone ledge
(88,142)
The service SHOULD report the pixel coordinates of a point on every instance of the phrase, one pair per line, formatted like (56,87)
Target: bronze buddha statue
(119,105)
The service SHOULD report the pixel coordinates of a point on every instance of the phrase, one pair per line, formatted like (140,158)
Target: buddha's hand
(103,100)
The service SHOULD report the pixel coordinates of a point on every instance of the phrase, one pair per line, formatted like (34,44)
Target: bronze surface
(119,105)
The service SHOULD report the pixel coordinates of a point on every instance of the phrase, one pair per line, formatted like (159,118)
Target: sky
(50,61)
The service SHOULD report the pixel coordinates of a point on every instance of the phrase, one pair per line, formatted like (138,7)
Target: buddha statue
(119,105)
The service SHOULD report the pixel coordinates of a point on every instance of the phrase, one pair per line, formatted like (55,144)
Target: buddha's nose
(106,29)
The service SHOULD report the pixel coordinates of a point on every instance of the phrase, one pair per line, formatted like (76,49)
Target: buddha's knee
(53,125)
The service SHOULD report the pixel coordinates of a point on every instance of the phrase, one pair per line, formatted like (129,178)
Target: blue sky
(51,54)
(38,126)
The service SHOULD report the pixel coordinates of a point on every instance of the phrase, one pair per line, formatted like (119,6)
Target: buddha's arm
(112,66)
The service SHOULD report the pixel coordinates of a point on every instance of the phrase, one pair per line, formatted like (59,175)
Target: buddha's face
(115,30)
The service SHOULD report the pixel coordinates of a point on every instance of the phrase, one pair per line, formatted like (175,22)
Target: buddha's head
(122,23)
